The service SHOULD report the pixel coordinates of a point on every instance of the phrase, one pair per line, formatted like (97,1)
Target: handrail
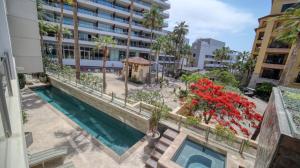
(3,105)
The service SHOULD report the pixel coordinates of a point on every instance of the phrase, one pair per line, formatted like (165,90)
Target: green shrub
(22,80)
(183,93)
(194,121)
(223,77)
(264,90)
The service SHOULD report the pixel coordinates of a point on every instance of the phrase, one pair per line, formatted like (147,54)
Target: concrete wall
(134,120)
(24,32)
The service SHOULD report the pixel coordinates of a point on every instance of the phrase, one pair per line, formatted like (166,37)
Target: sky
(231,21)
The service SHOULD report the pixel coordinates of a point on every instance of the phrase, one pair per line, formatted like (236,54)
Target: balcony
(273,74)
(87,42)
(108,19)
(278,44)
(273,66)
(275,59)
(278,50)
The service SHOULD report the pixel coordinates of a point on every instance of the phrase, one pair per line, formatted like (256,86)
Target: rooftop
(138,60)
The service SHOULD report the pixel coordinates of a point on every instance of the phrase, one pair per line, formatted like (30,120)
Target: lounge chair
(67,165)
(47,155)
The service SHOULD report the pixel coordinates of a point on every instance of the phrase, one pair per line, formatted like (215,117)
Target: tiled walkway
(50,130)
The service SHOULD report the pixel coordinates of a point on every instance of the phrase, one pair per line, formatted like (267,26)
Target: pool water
(193,155)
(109,131)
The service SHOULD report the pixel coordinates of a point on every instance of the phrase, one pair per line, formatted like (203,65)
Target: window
(68,52)
(275,59)
(271,73)
(287,6)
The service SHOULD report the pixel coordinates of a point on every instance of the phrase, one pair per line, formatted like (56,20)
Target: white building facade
(203,53)
(104,18)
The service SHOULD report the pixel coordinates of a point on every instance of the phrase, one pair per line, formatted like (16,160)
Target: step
(170,134)
(161,147)
(165,141)
(151,163)
(156,155)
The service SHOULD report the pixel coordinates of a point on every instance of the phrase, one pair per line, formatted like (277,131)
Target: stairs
(164,142)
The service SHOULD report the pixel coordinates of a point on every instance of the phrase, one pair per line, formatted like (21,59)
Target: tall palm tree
(104,42)
(289,32)
(59,32)
(157,47)
(179,33)
(152,20)
(127,51)
(186,51)
(166,48)
(222,54)
(76,40)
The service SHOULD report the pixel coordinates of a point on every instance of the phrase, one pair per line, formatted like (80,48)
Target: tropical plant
(152,20)
(104,43)
(76,38)
(289,32)
(193,121)
(167,48)
(127,50)
(157,46)
(22,80)
(186,52)
(158,113)
(179,39)
(226,108)
(264,90)
(222,54)
(59,33)
(222,77)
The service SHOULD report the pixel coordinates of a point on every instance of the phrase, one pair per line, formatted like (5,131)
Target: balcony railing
(5,83)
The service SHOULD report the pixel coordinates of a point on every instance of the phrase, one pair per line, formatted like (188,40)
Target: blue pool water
(193,155)
(108,130)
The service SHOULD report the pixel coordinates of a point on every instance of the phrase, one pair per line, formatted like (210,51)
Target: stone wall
(277,145)
(138,122)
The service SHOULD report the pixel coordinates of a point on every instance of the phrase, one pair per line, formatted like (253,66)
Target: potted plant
(153,134)
(43,77)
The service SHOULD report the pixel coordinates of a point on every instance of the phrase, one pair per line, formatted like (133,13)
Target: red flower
(227,108)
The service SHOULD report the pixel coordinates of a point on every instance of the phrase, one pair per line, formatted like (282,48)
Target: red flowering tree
(227,108)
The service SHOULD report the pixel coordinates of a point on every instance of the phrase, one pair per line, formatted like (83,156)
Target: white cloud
(209,18)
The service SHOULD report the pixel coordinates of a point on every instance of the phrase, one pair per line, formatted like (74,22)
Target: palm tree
(152,20)
(157,47)
(179,33)
(127,51)
(222,54)
(186,51)
(76,40)
(289,32)
(104,42)
(59,32)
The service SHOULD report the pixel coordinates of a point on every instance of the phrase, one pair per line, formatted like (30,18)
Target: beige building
(138,69)
(271,55)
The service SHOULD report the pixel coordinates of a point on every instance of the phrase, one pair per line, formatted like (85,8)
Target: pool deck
(50,129)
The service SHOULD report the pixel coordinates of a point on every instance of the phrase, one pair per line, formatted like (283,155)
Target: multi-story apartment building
(104,18)
(271,55)
(203,53)
(20,51)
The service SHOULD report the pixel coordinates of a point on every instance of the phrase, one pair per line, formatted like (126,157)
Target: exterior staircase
(164,142)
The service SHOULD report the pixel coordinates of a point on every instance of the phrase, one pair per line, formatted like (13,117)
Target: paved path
(50,130)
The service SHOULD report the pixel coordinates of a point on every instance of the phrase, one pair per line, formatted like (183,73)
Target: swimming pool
(193,155)
(109,131)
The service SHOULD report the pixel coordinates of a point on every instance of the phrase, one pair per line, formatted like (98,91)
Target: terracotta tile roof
(137,60)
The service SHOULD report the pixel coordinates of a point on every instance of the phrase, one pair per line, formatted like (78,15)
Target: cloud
(209,18)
